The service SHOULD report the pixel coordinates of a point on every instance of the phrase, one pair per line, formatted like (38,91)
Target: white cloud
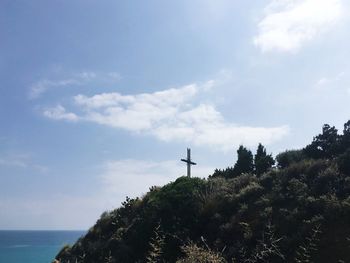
(38,88)
(21,161)
(86,75)
(289,24)
(330,83)
(204,125)
(332,86)
(322,81)
(326,80)
(169,115)
(60,113)
(114,75)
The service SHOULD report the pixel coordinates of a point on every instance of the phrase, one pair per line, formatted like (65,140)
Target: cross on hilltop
(189,162)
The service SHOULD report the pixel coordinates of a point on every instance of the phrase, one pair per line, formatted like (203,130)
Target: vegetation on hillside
(297,210)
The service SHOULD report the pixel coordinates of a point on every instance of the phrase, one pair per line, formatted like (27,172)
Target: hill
(295,211)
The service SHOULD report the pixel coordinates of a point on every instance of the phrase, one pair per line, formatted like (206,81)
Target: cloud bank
(169,115)
(289,24)
(119,178)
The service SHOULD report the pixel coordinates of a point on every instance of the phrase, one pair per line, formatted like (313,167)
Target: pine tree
(262,161)
(244,162)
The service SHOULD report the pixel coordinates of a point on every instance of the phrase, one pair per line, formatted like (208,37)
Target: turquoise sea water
(34,246)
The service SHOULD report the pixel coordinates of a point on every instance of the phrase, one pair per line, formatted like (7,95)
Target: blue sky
(99,100)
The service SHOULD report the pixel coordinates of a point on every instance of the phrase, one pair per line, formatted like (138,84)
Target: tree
(343,162)
(226,173)
(262,161)
(244,162)
(324,145)
(286,158)
(346,128)
(156,246)
(345,139)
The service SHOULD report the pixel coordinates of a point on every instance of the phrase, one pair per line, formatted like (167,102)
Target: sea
(34,246)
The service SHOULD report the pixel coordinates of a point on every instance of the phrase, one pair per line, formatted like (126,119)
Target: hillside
(295,211)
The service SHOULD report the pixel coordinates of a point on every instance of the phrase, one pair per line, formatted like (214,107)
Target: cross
(189,162)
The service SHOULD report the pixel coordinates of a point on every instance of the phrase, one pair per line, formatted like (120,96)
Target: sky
(100,99)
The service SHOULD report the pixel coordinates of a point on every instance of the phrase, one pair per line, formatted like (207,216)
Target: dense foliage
(298,211)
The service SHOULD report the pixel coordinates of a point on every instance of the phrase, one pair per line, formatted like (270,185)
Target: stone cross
(189,162)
